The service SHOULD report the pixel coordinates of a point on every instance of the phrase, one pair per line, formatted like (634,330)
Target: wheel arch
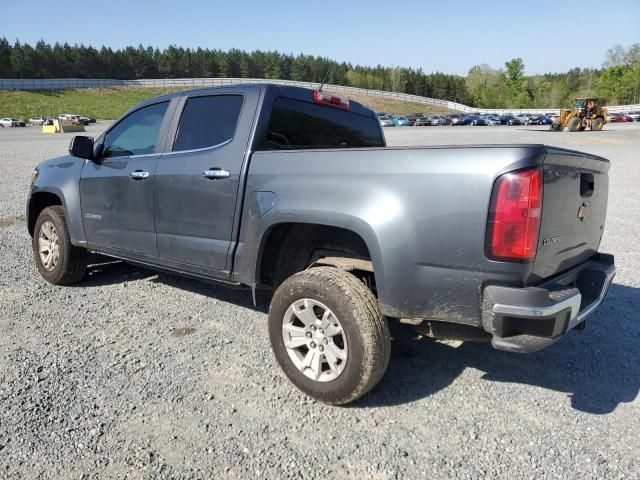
(37,203)
(305,242)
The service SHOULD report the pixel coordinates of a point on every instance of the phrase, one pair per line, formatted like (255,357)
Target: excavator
(586,113)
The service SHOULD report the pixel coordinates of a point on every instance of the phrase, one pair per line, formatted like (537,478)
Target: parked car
(492,120)
(509,120)
(514,258)
(436,120)
(456,119)
(400,121)
(412,118)
(385,121)
(539,120)
(422,121)
(12,122)
(68,116)
(524,118)
(475,120)
(623,117)
(75,119)
(37,121)
(635,116)
(86,120)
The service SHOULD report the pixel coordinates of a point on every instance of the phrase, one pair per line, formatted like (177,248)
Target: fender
(60,177)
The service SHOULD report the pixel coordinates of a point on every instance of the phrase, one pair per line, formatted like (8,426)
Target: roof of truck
(295,93)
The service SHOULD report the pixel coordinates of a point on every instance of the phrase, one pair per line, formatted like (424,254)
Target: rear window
(296,124)
(208,121)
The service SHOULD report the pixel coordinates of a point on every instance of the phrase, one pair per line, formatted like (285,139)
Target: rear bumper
(530,319)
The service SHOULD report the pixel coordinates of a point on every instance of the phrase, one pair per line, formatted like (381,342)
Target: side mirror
(81,147)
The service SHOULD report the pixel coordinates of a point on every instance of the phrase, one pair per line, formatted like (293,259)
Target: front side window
(208,121)
(137,133)
(296,124)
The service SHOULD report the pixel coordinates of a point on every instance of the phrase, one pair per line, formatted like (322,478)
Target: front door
(116,192)
(196,183)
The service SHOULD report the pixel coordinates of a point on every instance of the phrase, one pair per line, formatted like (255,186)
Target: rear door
(576,188)
(198,177)
(116,193)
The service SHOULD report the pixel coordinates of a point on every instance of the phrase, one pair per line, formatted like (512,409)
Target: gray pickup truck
(292,193)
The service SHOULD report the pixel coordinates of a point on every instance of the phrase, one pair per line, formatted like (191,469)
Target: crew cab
(293,194)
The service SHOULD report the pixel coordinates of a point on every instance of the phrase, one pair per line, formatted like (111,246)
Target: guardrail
(68,83)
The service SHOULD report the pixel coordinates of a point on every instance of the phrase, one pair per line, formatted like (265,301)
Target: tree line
(617,82)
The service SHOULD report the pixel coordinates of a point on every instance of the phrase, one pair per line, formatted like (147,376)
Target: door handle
(139,174)
(214,173)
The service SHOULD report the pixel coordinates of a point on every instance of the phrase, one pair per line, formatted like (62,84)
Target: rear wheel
(328,335)
(58,261)
(574,124)
(597,124)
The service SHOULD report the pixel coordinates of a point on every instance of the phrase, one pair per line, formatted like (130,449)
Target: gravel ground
(133,374)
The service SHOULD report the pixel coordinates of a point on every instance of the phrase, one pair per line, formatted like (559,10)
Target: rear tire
(354,328)
(58,261)
(574,124)
(597,124)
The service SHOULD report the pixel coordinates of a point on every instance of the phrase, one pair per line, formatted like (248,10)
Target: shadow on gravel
(110,272)
(597,368)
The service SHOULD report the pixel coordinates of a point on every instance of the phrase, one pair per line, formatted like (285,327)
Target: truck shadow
(597,368)
(108,271)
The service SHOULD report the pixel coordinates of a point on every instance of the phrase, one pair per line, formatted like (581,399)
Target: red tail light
(330,100)
(514,216)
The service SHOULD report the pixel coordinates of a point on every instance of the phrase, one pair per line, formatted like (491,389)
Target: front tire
(328,335)
(597,124)
(58,261)
(574,124)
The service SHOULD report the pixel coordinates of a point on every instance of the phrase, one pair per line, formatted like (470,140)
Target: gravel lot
(132,374)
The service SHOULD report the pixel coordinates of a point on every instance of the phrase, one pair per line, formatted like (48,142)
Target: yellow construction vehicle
(586,113)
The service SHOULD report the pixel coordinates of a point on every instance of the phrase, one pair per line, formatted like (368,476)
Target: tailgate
(574,208)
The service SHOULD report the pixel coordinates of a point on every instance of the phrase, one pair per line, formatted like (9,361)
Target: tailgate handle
(587,184)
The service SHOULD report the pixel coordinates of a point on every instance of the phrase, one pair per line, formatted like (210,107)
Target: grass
(397,107)
(110,103)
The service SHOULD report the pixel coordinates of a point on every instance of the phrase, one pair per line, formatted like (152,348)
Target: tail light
(325,98)
(514,216)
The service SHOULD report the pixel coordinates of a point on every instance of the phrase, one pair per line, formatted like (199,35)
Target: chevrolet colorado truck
(293,193)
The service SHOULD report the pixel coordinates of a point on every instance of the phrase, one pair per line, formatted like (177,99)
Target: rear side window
(298,125)
(208,121)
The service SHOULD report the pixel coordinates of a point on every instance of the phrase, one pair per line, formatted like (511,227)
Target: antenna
(325,77)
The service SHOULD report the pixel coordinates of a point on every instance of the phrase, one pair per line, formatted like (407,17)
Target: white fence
(67,83)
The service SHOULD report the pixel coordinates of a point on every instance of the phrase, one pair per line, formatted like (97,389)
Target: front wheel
(328,335)
(574,124)
(58,261)
(597,124)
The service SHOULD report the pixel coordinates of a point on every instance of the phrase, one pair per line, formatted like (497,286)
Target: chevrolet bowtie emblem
(584,211)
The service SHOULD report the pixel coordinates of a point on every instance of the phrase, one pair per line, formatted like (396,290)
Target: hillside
(110,103)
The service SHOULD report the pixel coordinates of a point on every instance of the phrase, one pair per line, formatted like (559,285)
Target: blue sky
(448,36)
